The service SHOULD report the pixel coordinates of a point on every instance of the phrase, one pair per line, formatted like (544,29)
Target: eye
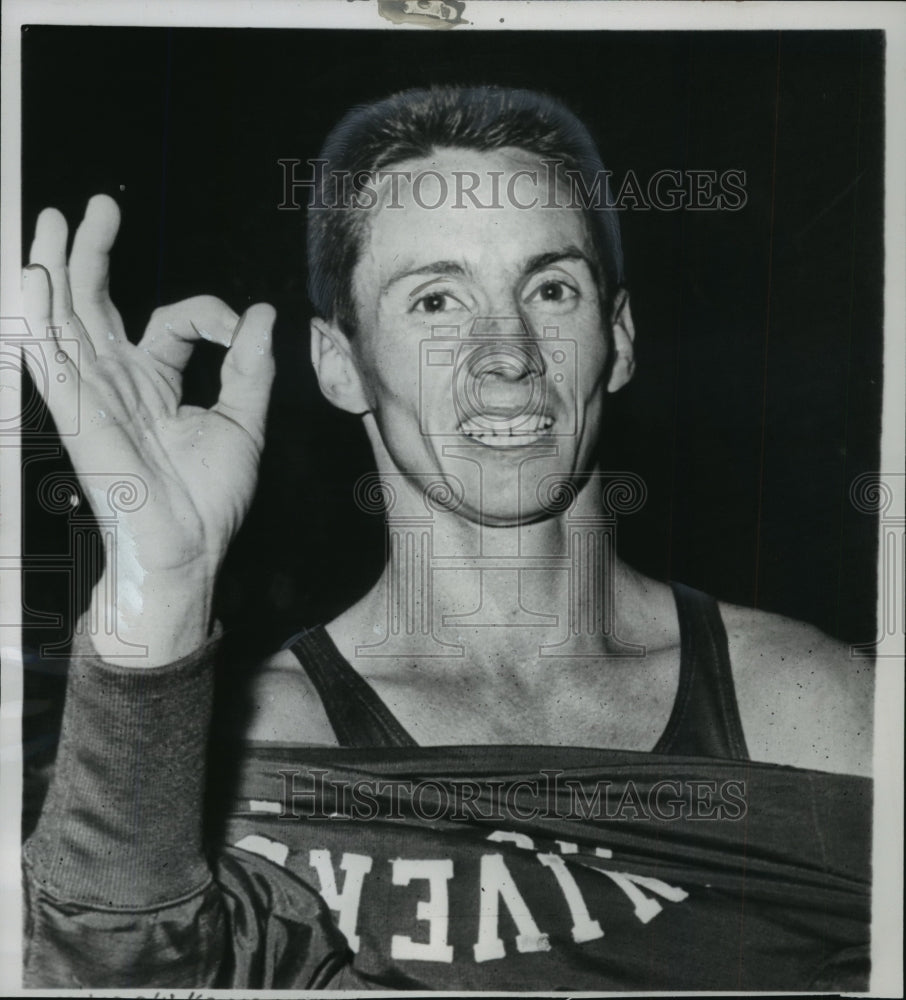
(552,291)
(436,302)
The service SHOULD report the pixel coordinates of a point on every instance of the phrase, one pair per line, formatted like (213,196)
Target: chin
(499,517)
(544,494)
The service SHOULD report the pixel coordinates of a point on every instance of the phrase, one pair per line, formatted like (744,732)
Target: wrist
(156,620)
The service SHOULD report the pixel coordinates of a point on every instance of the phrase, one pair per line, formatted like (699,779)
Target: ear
(336,368)
(623,337)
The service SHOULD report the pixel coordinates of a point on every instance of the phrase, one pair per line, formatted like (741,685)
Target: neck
(458,587)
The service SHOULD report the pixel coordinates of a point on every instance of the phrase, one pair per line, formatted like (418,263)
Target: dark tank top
(704,721)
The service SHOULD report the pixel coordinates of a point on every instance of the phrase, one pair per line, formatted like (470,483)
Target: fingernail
(235,332)
(32,267)
(205,335)
(231,327)
(39,268)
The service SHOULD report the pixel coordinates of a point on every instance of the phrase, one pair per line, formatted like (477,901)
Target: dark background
(757,397)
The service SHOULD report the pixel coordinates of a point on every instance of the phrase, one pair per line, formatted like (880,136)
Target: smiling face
(482,343)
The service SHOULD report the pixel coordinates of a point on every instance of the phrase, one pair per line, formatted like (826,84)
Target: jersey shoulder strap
(357,714)
(705,719)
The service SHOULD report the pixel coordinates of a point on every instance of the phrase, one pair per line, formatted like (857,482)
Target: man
(474,314)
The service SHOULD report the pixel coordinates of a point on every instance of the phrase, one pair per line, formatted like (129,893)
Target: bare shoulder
(284,706)
(803,700)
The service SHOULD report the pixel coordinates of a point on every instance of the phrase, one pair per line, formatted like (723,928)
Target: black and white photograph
(453,498)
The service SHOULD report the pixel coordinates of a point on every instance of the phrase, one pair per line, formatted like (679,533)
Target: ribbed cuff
(121,824)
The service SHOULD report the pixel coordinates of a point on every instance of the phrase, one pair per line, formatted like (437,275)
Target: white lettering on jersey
(265,806)
(584,928)
(646,909)
(345,903)
(522,840)
(435,909)
(273,850)
(497,884)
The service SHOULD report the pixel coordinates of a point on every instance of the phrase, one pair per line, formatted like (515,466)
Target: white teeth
(506,434)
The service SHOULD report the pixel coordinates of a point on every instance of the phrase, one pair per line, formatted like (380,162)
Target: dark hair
(414,123)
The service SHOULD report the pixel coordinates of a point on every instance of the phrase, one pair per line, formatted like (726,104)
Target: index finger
(173,330)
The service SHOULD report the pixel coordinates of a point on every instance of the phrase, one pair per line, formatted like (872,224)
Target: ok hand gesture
(199,466)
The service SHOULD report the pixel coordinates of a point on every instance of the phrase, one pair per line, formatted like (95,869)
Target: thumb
(248,371)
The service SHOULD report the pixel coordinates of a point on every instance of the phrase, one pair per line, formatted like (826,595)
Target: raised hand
(199,466)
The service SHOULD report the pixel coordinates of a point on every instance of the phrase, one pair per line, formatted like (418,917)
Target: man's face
(482,349)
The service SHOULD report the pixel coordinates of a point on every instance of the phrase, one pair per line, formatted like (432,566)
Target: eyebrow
(434,268)
(542,260)
(444,267)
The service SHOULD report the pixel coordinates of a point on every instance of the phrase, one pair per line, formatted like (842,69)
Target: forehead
(485,209)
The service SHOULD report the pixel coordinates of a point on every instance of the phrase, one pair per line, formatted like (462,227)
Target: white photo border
(487,15)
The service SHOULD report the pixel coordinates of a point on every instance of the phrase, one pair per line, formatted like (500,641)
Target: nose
(503,348)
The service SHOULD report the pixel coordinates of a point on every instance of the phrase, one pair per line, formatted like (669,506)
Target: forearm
(120,834)
(118,890)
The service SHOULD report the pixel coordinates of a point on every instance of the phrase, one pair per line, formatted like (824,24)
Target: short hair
(415,123)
